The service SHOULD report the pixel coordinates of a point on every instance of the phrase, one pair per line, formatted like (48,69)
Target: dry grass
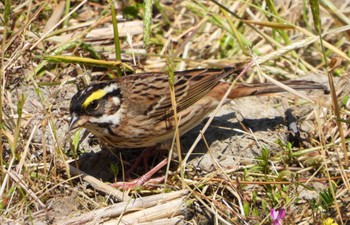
(310,182)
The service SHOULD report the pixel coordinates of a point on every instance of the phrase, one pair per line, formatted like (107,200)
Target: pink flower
(277,216)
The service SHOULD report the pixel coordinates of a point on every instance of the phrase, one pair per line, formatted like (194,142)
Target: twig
(98,185)
(125,207)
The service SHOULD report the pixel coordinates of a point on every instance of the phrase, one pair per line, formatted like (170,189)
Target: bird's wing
(149,93)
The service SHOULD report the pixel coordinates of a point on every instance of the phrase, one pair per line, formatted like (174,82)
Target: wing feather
(150,93)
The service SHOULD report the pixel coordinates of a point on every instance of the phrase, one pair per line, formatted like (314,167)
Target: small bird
(136,111)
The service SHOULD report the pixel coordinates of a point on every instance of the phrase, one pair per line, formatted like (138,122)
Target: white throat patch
(111,119)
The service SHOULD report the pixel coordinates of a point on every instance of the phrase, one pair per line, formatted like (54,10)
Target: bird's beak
(76,122)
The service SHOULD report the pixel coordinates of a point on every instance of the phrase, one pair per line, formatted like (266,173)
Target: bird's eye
(93,105)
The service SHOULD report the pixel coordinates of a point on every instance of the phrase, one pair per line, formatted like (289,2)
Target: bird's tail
(242,90)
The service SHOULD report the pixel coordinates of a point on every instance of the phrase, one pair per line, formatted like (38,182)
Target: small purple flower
(277,216)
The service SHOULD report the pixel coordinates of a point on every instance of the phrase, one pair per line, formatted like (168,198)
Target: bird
(136,111)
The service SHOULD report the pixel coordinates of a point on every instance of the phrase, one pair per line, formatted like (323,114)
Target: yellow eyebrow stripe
(94,96)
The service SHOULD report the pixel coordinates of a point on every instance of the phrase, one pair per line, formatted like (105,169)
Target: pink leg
(140,181)
(146,153)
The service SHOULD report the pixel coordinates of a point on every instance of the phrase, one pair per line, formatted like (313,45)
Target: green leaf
(345,100)
(246,208)
(131,12)
(114,169)
(88,61)
(76,139)
(147,22)
(315,10)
